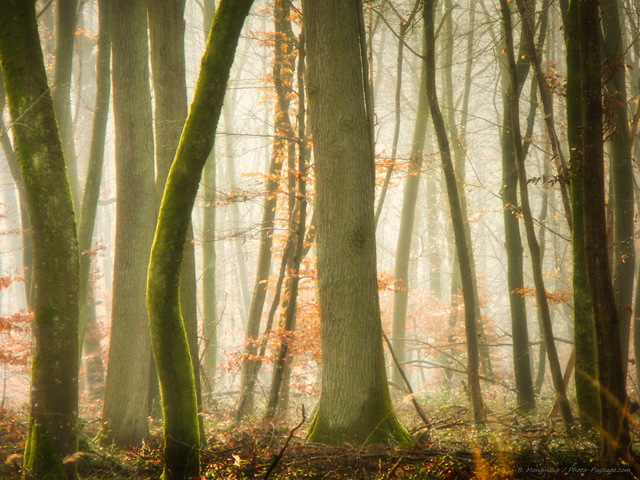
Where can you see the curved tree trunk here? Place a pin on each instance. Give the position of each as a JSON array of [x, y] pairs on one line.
[[52, 435], [355, 404], [169, 339], [166, 32]]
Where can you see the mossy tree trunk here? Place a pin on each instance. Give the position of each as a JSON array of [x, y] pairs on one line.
[[544, 314], [463, 248], [169, 339], [166, 32], [127, 385], [615, 438], [52, 434], [586, 359], [355, 404]]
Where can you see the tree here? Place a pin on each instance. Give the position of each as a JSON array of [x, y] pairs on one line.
[[407, 217], [283, 66], [166, 32], [544, 314], [463, 247], [66, 16], [586, 362], [624, 253], [169, 339], [615, 438], [355, 404], [127, 384], [91, 193], [52, 434]]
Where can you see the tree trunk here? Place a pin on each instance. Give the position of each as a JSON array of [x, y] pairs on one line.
[[586, 359], [166, 32], [405, 231], [91, 193], [25, 221], [615, 438], [65, 34], [544, 314], [283, 65], [355, 404], [463, 248], [52, 431], [624, 254], [282, 365], [127, 385], [209, 301], [169, 339]]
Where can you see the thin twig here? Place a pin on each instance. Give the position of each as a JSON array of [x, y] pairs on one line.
[[278, 457], [406, 381]]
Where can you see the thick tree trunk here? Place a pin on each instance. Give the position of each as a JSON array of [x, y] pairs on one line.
[[52, 434], [127, 385], [169, 339], [586, 359], [615, 438], [463, 248], [355, 404]]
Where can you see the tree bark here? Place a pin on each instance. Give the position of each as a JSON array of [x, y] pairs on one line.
[[52, 430], [127, 384], [169, 339], [355, 404]]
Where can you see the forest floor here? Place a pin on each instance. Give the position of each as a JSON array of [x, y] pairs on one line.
[[510, 446]]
